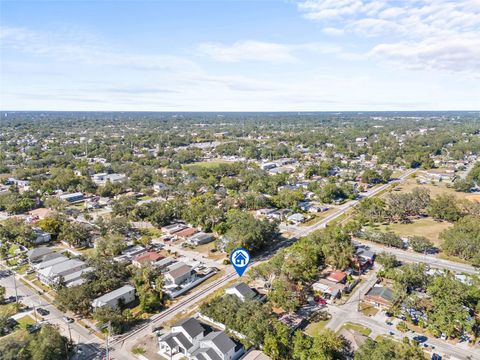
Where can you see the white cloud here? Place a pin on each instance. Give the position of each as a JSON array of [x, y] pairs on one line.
[[262, 51], [428, 34], [75, 47]]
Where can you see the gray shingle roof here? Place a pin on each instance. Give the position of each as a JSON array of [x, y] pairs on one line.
[[383, 292], [191, 326], [182, 340], [244, 290], [221, 341], [40, 251]]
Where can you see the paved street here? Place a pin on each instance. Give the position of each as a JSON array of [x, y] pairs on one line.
[[79, 335]]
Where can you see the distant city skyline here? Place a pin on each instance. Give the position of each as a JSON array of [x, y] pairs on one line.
[[308, 55]]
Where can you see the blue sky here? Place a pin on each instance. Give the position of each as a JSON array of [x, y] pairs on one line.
[[306, 55]]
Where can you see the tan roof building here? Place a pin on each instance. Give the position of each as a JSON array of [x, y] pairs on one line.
[[255, 355], [355, 338]]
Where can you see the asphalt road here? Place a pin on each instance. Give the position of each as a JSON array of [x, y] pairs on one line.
[[88, 342]]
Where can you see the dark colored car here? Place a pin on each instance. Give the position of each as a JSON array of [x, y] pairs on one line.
[[420, 338], [43, 311]]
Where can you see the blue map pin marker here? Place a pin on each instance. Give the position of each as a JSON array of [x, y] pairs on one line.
[[240, 258]]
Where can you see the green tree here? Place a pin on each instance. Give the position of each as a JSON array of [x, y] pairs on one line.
[[463, 239], [149, 288], [444, 207], [48, 344], [120, 321], [386, 349], [420, 244], [75, 234]]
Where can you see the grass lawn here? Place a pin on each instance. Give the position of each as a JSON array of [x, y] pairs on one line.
[[22, 269], [8, 310], [427, 227], [25, 321], [12, 249], [356, 327], [205, 249], [315, 327], [368, 310]]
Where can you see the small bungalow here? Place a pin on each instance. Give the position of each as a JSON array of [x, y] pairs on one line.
[[380, 296]]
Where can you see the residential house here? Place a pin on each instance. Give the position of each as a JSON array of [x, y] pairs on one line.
[[296, 218], [330, 290], [200, 239], [41, 254], [164, 263], [185, 233], [130, 253], [265, 212], [363, 258], [115, 298], [173, 228], [280, 214], [103, 178], [41, 237], [73, 197], [338, 277], [380, 296], [146, 258], [243, 292], [55, 270], [197, 341], [268, 166], [440, 175], [178, 273]]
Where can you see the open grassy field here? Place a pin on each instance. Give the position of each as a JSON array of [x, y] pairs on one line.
[[435, 189], [427, 227], [356, 327]]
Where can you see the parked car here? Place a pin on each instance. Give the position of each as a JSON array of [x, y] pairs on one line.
[[68, 319], [34, 328], [43, 312], [420, 338]]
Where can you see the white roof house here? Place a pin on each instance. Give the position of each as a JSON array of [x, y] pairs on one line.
[[53, 273], [242, 291], [125, 295], [200, 238], [296, 218]]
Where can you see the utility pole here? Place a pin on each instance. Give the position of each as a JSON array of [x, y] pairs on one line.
[[69, 332], [15, 285], [34, 313], [106, 343]]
